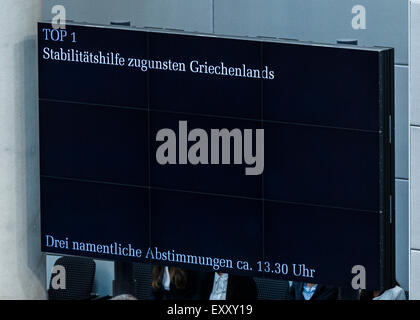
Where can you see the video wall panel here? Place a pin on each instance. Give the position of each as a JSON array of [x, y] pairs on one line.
[[246, 156]]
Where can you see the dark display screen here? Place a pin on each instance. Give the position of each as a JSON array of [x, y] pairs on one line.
[[259, 157]]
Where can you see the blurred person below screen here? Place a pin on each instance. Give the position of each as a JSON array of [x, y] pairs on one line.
[[170, 283], [393, 293], [311, 291], [223, 286]]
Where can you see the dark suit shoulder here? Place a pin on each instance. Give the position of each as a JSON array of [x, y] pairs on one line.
[[241, 288]]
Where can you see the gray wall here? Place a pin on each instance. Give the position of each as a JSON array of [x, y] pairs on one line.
[[415, 150], [22, 266], [311, 20]]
